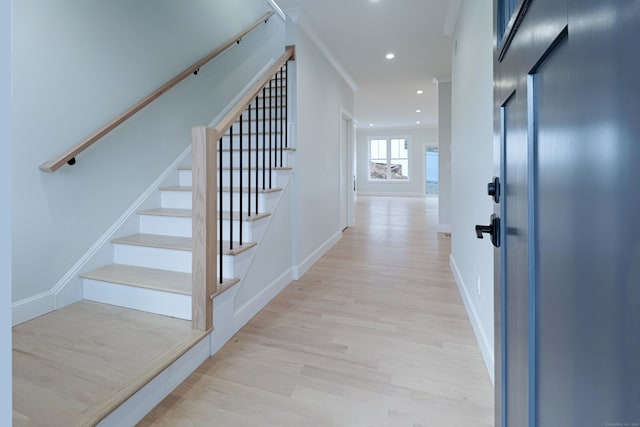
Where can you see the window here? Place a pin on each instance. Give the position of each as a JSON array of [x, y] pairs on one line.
[[389, 159]]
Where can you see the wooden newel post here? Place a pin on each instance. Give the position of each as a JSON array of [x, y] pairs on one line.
[[204, 213]]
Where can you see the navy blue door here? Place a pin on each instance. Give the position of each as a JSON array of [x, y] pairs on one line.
[[567, 118]]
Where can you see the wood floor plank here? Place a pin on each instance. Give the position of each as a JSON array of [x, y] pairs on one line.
[[375, 334]]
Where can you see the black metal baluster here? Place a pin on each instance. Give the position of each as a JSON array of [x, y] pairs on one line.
[[249, 159], [277, 118], [280, 116], [270, 128], [257, 152], [220, 196], [241, 170], [286, 110], [264, 136], [231, 185]]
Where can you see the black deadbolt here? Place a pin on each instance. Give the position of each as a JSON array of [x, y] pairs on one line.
[[493, 189]]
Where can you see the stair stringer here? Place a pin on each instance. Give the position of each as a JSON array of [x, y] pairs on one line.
[[269, 273]]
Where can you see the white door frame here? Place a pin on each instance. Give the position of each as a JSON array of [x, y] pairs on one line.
[[347, 179]]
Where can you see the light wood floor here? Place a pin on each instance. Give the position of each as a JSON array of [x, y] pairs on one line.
[[73, 366], [375, 334]]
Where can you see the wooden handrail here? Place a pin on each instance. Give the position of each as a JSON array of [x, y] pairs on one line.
[[228, 120], [69, 156]]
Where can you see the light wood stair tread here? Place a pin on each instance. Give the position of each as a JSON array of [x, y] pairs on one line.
[[187, 213], [181, 213], [178, 243], [156, 241], [224, 189], [79, 363], [150, 278], [142, 277]]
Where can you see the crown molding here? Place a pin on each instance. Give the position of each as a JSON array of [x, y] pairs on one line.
[[451, 17], [299, 16]]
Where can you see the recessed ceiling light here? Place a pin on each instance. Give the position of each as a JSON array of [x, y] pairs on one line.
[[390, 55], [418, 111], [420, 92], [418, 122], [370, 125]]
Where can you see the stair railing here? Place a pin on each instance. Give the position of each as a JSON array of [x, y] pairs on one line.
[[69, 157], [264, 148]]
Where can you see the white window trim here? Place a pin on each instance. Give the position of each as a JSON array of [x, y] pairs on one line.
[[389, 138]]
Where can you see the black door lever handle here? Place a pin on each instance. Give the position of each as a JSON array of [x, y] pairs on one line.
[[493, 229], [483, 229]]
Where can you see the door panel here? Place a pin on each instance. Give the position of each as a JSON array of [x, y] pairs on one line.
[[555, 213]]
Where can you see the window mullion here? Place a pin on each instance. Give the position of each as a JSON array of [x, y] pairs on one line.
[[388, 159]]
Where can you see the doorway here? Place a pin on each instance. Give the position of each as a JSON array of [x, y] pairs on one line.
[[347, 170], [431, 171]]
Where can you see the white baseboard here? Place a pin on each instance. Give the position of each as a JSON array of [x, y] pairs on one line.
[[30, 308], [248, 310], [68, 289], [304, 266], [481, 336], [147, 398]]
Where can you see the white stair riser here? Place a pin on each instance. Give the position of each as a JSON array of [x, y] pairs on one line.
[[269, 114], [149, 300], [247, 177], [238, 266], [265, 202], [165, 259], [182, 200], [274, 137], [185, 178], [182, 227], [175, 199], [144, 256], [249, 126], [165, 225], [273, 161]]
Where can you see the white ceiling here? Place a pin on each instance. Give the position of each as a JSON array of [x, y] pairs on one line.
[[359, 33]]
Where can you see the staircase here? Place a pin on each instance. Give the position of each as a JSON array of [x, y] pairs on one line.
[[110, 359], [152, 269]]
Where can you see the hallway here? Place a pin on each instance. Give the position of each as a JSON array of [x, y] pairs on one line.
[[375, 334]]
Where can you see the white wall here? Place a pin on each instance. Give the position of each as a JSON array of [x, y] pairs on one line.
[[472, 165], [76, 65], [5, 213], [444, 158], [321, 92], [419, 137]]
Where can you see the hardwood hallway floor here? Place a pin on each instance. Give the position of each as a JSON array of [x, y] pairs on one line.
[[375, 334]]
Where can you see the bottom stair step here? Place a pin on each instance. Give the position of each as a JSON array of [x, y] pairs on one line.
[[76, 365], [146, 289]]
